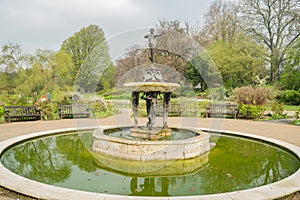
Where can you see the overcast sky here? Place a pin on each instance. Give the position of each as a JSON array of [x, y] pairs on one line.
[[45, 24]]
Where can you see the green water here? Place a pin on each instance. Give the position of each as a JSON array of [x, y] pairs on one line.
[[65, 160]]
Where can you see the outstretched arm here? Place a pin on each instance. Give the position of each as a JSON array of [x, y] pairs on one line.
[[157, 35]]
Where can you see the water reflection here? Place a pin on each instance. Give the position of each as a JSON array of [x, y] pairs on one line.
[[38, 160], [148, 187], [65, 160]]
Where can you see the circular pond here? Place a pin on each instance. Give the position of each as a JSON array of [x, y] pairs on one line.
[[65, 160]]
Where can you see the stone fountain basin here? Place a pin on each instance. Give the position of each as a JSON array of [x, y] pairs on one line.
[[151, 168], [152, 86], [143, 150], [12, 181]]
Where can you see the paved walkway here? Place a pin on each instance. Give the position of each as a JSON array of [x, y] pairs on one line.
[[284, 132]]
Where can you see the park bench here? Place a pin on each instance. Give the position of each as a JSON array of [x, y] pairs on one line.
[[74, 111], [21, 113], [222, 109], [174, 110]]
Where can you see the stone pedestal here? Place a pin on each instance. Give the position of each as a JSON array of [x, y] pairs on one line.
[[153, 134], [143, 150]]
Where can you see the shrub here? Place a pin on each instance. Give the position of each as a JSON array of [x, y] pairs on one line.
[[1, 111], [70, 98], [297, 120], [251, 111], [290, 97], [297, 113], [203, 104], [277, 111], [49, 111], [279, 116], [277, 108], [101, 108], [249, 95]]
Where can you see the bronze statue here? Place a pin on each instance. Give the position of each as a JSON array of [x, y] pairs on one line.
[[151, 37]]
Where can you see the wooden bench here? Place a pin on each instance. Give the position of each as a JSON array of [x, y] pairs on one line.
[[174, 110], [74, 111], [21, 113], [222, 109]]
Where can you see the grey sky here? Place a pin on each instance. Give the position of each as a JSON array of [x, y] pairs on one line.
[[45, 24]]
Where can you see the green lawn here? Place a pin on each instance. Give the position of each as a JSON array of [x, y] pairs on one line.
[[291, 108], [286, 107]]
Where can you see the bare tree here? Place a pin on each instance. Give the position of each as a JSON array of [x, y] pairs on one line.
[[276, 24], [175, 47], [135, 56], [221, 23]]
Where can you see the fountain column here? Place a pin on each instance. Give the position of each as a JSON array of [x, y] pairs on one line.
[[154, 102], [135, 105], [151, 102], [166, 107]]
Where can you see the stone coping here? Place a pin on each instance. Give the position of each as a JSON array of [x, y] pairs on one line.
[[152, 86], [36, 189], [100, 135]]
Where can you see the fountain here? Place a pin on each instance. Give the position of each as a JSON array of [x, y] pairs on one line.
[[143, 144], [151, 142]]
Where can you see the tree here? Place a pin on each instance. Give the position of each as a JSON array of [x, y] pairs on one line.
[[175, 47], [107, 81], [202, 71], [274, 23], [82, 43], [293, 55], [290, 77], [89, 53], [32, 80], [134, 56], [239, 62], [221, 23], [35, 77], [62, 69], [48, 72], [12, 58], [11, 61], [238, 57]]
